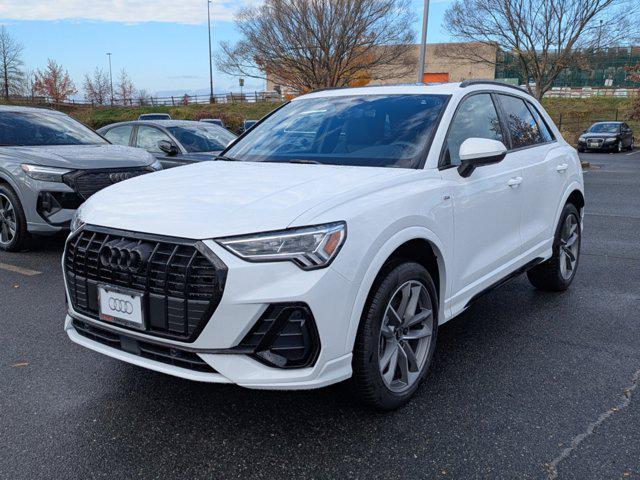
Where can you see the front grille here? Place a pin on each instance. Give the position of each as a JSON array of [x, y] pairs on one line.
[[87, 182], [159, 353], [181, 286]]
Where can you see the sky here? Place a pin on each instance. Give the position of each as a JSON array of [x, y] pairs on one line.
[[162, 44]]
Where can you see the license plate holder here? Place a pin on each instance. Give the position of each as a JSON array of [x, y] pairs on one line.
[[122, 306]]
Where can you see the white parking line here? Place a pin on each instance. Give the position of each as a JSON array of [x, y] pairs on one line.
[[633, 153], [22, 271]]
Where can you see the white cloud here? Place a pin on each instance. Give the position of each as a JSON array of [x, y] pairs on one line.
[[125, 11]]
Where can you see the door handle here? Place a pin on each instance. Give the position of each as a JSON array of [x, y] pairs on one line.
[[562, 167], [514, 182]]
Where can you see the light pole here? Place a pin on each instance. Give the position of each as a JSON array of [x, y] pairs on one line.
[[210, 61], [423, 43], [110, 76]]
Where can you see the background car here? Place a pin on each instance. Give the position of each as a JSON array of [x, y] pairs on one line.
[[173, 142], [616, 136], [49, 165], [214, 121], [246, 125], [154, 116]]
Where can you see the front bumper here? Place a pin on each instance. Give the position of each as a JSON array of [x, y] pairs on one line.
[[249, 291], [605, 145]]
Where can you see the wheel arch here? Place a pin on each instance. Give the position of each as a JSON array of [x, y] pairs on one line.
[[574, 194], [412, 244]]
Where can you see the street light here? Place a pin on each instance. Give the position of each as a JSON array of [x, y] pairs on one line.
[[210, 61], [110, 76], [423, 44]]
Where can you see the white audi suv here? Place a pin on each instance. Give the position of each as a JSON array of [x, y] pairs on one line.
[[329, 242]]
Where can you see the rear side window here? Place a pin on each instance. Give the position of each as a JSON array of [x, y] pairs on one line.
[[119, 135], [522, 125], [547, 136], [476, 117]]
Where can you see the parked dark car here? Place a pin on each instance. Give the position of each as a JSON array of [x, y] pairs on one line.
[[173, 142], [49, 165], [154, 116], [246, 125], [613, 136]]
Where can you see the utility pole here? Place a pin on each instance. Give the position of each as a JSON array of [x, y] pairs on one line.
[[210, 60], [110, 76], [423, 43]]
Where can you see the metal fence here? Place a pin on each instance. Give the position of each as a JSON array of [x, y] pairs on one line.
[[155, 101]]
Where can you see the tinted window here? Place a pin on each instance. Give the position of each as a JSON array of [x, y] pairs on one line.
[[119, 135], [148, 138], [476, 117], [36, 128], [605, 128], [202, 138], [370, 130], [547, 136], [522, 126]]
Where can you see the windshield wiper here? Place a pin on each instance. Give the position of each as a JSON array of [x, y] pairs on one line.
[[224, 158], [302, 160]]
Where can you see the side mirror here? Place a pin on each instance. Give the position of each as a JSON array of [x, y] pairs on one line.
[[477, 152], [168, 147]]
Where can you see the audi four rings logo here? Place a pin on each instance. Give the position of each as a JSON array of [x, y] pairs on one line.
[[121, 176], [125, 255], [121, 306]]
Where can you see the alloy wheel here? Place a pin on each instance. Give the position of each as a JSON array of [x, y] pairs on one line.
[[569, 246], [405, 336], [620, 147], [8, 226]]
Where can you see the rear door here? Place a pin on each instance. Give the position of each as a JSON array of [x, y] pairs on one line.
[[486, 204], [544, 166]]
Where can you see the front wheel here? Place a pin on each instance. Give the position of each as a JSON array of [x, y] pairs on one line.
[[396, 338], [557, 273], [13, 225]]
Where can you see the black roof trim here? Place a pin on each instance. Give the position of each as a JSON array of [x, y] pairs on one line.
[[469, 83]]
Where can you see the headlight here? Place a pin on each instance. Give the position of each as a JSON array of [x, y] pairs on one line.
[[46, 174], [308, 247], [611, 140], [155, 166], [581, 138], [76, 222]]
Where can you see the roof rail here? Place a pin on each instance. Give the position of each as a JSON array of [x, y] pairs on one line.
[[469, 83]]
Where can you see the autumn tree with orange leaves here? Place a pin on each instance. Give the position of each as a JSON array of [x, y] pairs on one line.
[[634, 76], [54, 83]]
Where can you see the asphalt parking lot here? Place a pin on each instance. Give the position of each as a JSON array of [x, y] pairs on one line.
[[524, 385]]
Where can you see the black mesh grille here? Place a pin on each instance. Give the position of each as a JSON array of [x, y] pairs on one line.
[[87, 182], [159, 353], [181, 286]]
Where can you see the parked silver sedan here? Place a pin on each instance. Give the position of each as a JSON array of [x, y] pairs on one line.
[[49, 165]]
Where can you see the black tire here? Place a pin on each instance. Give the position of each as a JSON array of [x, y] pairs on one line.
[[548, 276], [580, 150], [367, 381], [21, 237]]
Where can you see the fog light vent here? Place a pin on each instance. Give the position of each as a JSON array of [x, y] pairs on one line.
[[285, 336]]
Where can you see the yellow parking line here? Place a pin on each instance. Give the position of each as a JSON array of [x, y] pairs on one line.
[[22, 271]]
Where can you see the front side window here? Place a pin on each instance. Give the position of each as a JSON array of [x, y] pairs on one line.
[[44, 128], [476, 117], [119, 135], [148, 138], [523, 127], [202, 138], [371, 130]]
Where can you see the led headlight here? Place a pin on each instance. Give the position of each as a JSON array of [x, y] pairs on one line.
[[45, 174], [76, 221], [308, 247]]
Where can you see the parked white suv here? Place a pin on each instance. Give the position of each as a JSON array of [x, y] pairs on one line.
[[330, 241]]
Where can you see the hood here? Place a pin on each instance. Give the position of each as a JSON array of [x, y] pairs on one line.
[[214, 199], [82, 156], [599, 135]]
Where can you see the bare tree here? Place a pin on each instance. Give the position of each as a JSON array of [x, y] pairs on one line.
[[545, 36], [310, 44], [97, 87], [126, 89], [54, 83], [143, 97], [11, 74]]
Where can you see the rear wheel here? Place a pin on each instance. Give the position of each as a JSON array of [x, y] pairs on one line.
[[557, 273], [13, 225], [396, 338]]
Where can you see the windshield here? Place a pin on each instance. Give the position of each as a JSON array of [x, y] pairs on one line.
[[202, 138], [371, 130], [605, 128], [44, 128]]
